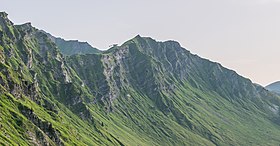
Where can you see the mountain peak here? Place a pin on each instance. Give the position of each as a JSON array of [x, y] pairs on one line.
[[173, 43], [26, 25], [138, 36], [4, 19], [168, 42], [3, 14]]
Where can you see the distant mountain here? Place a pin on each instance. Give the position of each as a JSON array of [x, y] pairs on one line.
[[71, 47], [274, 87], [143, 92]]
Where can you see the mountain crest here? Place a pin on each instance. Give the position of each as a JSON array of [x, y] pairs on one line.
[[148, 43], [3, 15], [4, 21]]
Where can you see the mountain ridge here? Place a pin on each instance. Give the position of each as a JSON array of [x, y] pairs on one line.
[[142, 92], [71, 47]]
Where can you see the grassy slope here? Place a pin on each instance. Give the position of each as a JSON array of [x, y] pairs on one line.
[[17, 129], [191, 113]]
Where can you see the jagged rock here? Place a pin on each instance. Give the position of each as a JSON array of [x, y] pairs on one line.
[[45, 126]]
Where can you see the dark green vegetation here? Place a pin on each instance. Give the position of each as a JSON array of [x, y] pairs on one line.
[[274, 87], [140, 93]]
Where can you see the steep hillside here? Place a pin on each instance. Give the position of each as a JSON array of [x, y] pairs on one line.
[[274, 87], [143, 92]]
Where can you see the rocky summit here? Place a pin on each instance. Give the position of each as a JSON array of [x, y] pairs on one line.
[[143, 92]]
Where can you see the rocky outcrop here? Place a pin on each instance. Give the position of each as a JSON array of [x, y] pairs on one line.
[[45, 126]]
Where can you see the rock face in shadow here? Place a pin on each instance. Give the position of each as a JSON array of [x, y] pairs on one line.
[[274, 87]]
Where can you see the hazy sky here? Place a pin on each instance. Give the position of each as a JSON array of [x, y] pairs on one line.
[[243, 35]]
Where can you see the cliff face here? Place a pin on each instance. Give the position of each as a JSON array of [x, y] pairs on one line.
[[143, 92]]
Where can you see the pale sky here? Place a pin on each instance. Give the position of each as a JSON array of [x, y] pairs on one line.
[[243, 35]]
